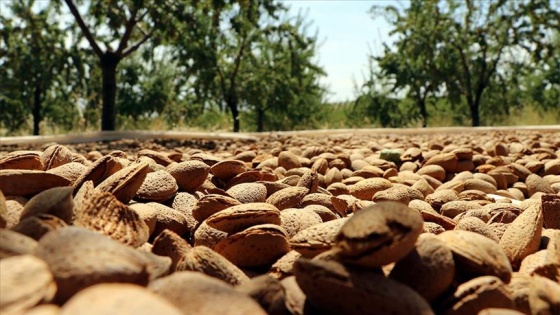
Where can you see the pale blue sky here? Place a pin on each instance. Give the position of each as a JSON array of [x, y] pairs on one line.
[[347, 33]]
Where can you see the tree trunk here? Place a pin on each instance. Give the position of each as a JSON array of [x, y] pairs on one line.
[[109, 62], [232, 104], [36, 109], [260, 119], [423, 113], [475, 115]]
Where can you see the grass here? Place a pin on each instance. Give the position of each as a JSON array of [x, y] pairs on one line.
[[336, 117]]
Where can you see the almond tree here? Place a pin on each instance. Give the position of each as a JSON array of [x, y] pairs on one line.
[[114, 30], [35, 67]]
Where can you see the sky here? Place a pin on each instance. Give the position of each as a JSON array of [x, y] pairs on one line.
[[347, 33]]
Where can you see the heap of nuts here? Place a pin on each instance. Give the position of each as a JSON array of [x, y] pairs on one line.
[[337, 224]]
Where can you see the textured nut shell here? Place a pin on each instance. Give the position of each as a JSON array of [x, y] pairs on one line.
[[207, 205], [185, 202], [227, 169], [56, 155], [543, 263], [260, 245], [429, 268], [535, 184], [38, 225], [118, 298], [71, 171], [28, 182], [295, 220], [544, 296], [238, 218], [317, 238], [551, 211], [478, 294], [169, 244], [209, 262], [378, 235], [98, 171], [448, 161], [189, 174], [79, 258], [284, 266], [336, 289], [13, 244], [208, 236], [475, 254], [287, 197], [478, 226], [288, 160], [268, 292], [23, 160], [157, 186], [523, 235], [4, 216], [147, 214], [57, 201], [44, 309], [365, 189], [248, 192], [169, 218], [103, 213], [125, 183], [196, 293], [26, 281], [159, 157]]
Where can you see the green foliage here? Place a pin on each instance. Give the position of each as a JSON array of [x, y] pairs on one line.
[[203, 64], [34, 68], [469, 52]]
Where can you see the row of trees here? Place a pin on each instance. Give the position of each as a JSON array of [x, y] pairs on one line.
[[77, 64], [67, 61], [477, 58]]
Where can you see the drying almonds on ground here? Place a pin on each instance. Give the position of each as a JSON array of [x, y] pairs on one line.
[[294, 223]]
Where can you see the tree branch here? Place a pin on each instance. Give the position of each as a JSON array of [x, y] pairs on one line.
[[237, 62], [129, 27], [135, 47], [83, 27]]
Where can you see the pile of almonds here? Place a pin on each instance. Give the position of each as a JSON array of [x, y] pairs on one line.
[[290, 224]]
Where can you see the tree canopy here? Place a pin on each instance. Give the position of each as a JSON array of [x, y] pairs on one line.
[[75, 65]]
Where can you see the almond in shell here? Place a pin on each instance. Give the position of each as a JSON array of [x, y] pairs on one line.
[[26, 281], [125, 183], [102, 212], [257, 246]]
